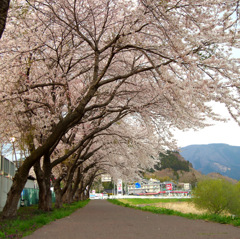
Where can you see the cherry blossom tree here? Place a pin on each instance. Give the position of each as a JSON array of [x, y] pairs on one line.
[[69, 63]]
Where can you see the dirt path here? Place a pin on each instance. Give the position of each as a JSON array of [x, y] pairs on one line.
[[103, 220]]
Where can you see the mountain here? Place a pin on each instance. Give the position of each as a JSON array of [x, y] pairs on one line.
[[173, 166], [210, 158]]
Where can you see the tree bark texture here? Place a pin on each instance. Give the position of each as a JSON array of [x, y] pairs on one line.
[[67, 197], [58, 193], [43, 179]]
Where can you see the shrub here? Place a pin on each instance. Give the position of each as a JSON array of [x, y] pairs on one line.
[[234, 204], [215, 195]]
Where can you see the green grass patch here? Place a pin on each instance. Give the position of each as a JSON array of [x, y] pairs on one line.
[[207, 217], [30, 218], [137, 201]]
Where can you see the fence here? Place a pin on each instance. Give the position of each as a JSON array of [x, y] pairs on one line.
[[30, 196]]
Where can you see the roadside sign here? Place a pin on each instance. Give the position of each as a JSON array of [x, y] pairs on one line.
[[119, 186], [137, 185], [106, 178], [169, 186]]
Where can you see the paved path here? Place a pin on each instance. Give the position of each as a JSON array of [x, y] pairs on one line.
[[103, 220]]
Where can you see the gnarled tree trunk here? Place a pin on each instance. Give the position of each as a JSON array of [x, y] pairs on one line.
[[58, 192], [43, 179]]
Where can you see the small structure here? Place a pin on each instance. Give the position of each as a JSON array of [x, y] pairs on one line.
[[7, 171]]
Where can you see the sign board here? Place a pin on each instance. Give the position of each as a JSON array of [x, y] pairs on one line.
[[169, 186], [137, 185], [119, 186], [186, 186], [106, 178]]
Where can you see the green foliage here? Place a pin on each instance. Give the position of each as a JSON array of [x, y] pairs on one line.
[[136, 201], [30, 218], [216, 195], [234, 205], [2, 235], [108, 185], [171, 160]]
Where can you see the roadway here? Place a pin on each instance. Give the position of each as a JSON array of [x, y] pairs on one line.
[[103, 220]]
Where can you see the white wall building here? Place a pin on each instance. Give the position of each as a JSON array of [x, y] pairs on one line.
[[7, 171]]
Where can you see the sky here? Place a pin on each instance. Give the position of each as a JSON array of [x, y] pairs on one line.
[[227, 133]]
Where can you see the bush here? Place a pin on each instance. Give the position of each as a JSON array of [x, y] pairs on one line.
[[234, 205], [216, 195]]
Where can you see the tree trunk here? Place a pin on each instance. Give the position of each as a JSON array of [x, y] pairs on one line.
[[88, 187], [67, 197], [41, 184], [58, 201], [77, 181], [47, 181], [13, 196], [68, 189], [43, 179], [58, 192], [88, 190]]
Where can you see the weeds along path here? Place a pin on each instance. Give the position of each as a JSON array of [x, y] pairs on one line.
[[103, 220]]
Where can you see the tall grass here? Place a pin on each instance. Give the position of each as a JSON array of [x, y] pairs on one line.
[[30, 218], [207, 217]]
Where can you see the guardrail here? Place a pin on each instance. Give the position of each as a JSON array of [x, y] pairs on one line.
[[135, 196]]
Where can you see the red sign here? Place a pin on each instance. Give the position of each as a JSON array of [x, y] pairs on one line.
[[169, 186]]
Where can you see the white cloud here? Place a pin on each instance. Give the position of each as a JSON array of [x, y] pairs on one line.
[[227, 133]]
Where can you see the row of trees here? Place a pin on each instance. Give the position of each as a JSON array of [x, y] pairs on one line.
[[94, 86]]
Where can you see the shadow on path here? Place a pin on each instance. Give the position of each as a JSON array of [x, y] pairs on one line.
[[103, 220]]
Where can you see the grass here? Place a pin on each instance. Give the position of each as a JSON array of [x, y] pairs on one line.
[[137, 201], [207, 217], [31, 218]]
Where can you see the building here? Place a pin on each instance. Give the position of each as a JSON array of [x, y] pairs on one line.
[[7, 171], [155, 187], [145, 186]]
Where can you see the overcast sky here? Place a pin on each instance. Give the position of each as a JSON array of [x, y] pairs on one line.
[[227, 133]]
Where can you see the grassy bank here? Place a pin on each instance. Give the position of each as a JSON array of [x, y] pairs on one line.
[[207, 217], [30, 218], [139, 201]]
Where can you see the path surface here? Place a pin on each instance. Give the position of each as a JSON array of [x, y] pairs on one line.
[[103, 220]]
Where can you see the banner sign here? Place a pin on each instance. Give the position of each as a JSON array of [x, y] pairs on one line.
[[106, 178], [169, 186], [119, 186]]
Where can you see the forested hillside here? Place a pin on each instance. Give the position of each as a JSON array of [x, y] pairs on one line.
[[172, 160]]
